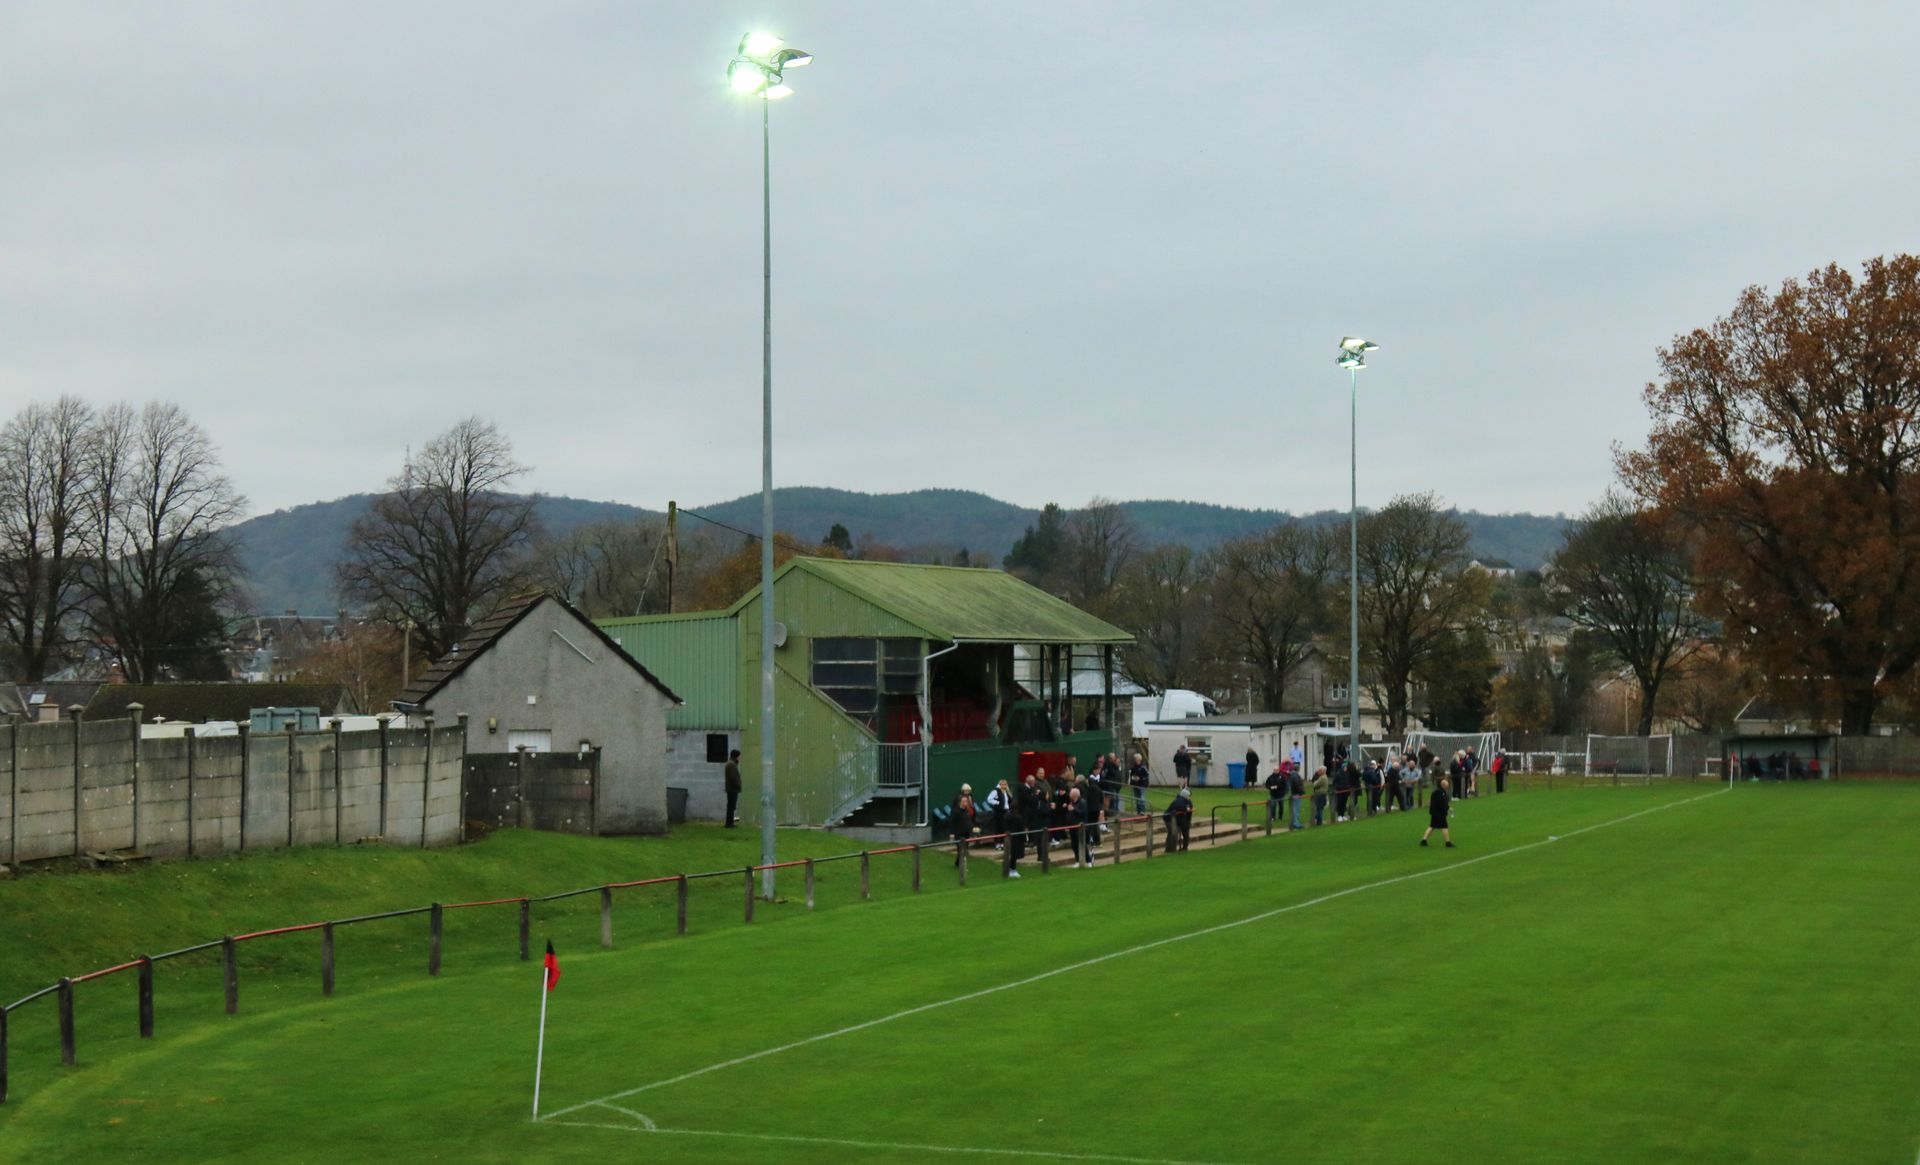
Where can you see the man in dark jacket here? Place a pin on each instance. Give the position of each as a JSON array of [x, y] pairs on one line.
[[1252, 771], [1276, 793], [733, 786], [1032, 810], [1437, 806], [1182, 764], [1179, 820], [1137, 779]]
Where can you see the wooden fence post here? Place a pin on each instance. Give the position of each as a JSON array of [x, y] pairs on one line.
[[916, 868], [680, 905], [230, 970], [960, 860], [526, 926], [1149, 835], [1046, 851], [606, 917], [326, 959], [1006, 858], [749, 881], [66, 1023], [145, 989], [433, 938], [1243, 821], [866, 879], [809, 883]]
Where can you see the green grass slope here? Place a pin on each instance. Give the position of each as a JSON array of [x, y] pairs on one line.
[[1683, 975]]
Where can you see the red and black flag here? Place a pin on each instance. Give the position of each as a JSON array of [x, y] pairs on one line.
[[552, 964]]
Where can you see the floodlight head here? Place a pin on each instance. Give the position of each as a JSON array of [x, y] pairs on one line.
[[1356, 344], [778, 91], [791, 58], [1351, 360], [759, 45], [746, 77]]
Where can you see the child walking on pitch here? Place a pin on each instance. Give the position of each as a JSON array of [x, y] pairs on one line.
[[1437, 806]]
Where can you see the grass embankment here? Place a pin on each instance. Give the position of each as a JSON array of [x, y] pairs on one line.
[[1724, 978]]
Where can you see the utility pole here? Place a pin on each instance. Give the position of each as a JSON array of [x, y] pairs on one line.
[[673, 550]]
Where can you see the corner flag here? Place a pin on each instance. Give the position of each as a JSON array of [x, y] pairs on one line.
[[549, 976], [553, 967]]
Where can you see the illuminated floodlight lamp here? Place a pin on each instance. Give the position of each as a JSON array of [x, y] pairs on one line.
[[779, 91], [1353, 352], [759, 45], [791, 58], [746, 77]]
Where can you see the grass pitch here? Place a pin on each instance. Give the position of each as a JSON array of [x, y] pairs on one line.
[[1683, 975]]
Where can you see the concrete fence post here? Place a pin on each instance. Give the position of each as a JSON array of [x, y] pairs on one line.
[[336, 725], [462, 718], [74, 713], [523, 799], [292, 751], [133, 723], [426, 781], [385, 723], [246, 779], [192, 741], [13, 813]]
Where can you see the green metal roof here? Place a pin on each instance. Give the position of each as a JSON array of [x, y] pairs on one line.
[[961, 603], [697, 655]]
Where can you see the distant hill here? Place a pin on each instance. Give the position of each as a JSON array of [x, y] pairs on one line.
[[289, 554]]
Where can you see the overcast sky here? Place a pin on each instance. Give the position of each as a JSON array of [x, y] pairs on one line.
[[1043, 250]]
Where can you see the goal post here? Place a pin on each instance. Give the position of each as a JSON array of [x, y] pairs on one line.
[[1645, 757], [1443, 745]]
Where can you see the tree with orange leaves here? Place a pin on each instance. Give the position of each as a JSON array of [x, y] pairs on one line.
[[1788, 434]]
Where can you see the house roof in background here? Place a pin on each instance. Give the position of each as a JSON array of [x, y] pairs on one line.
[[199, 703], [61, 694], [488, 631], [960, 602]]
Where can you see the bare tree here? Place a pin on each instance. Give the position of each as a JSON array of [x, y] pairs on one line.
[[1100, 540], [606, 568], [43, 528], [1626, 575], [1415, 598], [159, 567], [1161, 596], [445, 544], [1272, 595]]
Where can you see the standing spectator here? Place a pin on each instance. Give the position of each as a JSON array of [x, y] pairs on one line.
[[1182, 764], [1437, 807], [1457, 772], [1319, 787], [733, 786], [1393, 782], [1252, 772], [960, 821], [1091, 811], [1137, 779], [1346, 793], [1499, 770], [999, 805], [1374, 779], [1033, 813], [1276, 792], [1058, 817], [1426, 759], [1110, 786], [1298, 757], [1296, 790], [1471, 764], [1179, 820], [1077, 820]]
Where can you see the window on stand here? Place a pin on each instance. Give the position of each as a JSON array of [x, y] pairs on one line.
[[875, 681]]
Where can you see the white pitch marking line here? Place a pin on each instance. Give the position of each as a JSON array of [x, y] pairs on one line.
[[1098, 959], [892, 1146], [645, 1120]]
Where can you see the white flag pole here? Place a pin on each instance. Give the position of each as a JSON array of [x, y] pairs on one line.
[[540, 1048]]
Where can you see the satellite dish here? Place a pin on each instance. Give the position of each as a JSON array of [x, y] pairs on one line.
[[779, 634]]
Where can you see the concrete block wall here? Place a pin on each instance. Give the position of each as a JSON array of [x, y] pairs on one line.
[[184, 796], [689, 769]]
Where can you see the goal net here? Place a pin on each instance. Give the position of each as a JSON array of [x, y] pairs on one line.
[[1444, 744], [1644, 757]]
